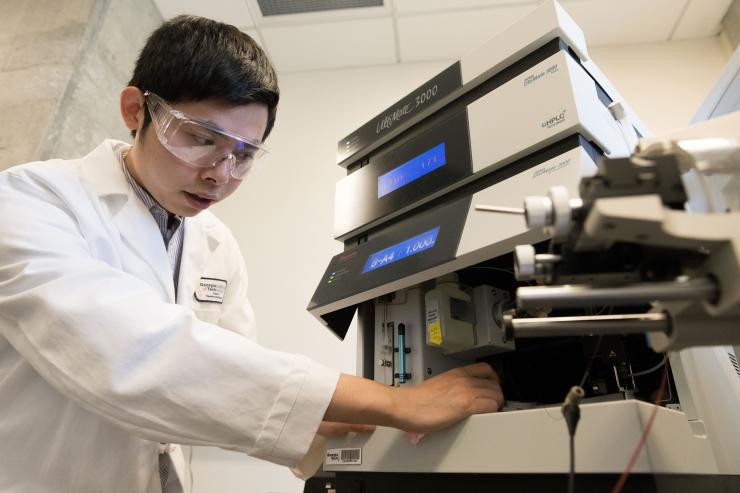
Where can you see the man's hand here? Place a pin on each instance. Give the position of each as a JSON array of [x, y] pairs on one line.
[[447, 398], [429, 406]]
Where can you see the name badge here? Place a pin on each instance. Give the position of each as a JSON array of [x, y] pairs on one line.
[[210, 290]]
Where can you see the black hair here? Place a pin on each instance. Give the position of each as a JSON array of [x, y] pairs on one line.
[[191, 58]]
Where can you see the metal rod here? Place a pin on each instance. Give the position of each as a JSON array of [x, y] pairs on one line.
[[547, 258], [632, 294], [504, 210], [587, 325]]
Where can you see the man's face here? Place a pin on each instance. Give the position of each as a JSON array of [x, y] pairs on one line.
[[181, 188]]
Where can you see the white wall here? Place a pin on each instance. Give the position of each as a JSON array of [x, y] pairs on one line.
[[664, 82], [283, 216]]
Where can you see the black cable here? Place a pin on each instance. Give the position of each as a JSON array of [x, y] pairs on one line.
[[572, 475], [572, 414], [590, 363]]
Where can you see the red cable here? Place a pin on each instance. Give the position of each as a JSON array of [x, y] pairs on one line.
[[643, 438]]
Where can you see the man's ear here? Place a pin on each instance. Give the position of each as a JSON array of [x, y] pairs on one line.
[[132, 107]]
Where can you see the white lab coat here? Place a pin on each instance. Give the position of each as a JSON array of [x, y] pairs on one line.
[[98, 365]]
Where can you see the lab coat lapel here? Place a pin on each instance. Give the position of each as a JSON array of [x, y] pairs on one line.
[[140, 232], [135, 224], [199, 245]]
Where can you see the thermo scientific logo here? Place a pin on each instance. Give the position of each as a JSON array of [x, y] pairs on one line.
[[554, 121]]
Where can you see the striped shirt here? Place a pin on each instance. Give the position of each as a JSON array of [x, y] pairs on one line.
[[170, 225]]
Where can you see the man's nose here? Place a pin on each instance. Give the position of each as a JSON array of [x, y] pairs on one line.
[[220, 172]]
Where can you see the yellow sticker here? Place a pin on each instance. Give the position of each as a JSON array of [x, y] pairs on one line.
[[434, 334]]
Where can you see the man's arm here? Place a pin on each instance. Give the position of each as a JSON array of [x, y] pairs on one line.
[[432, 405], [107, 340], [359, 403]]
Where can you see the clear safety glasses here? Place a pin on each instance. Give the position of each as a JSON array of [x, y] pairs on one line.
[[201, 144]]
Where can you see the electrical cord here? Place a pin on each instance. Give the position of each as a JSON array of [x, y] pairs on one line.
[[572, 414], [643, 438], [590, 363], [572, 472]]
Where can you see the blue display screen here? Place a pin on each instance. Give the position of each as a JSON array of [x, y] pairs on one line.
[[411, 170], [399, 251]]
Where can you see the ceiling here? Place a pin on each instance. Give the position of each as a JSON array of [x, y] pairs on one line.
[[407, 31]]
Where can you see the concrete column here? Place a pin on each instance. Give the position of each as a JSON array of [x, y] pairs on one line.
[[731, 24], [62, 66]]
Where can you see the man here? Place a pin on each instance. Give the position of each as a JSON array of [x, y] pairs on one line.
[[124, 319]]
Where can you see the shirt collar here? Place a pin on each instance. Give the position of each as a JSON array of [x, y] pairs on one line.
[[151, 204]]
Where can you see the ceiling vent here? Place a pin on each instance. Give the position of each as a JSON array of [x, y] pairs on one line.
[[285, 7]]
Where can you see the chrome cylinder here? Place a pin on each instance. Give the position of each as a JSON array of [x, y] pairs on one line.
[[634, 294], [518, 328]]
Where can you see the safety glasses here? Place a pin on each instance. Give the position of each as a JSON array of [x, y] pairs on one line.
[[201, 144]]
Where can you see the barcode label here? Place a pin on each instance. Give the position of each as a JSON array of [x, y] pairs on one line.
[[343, 456]]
